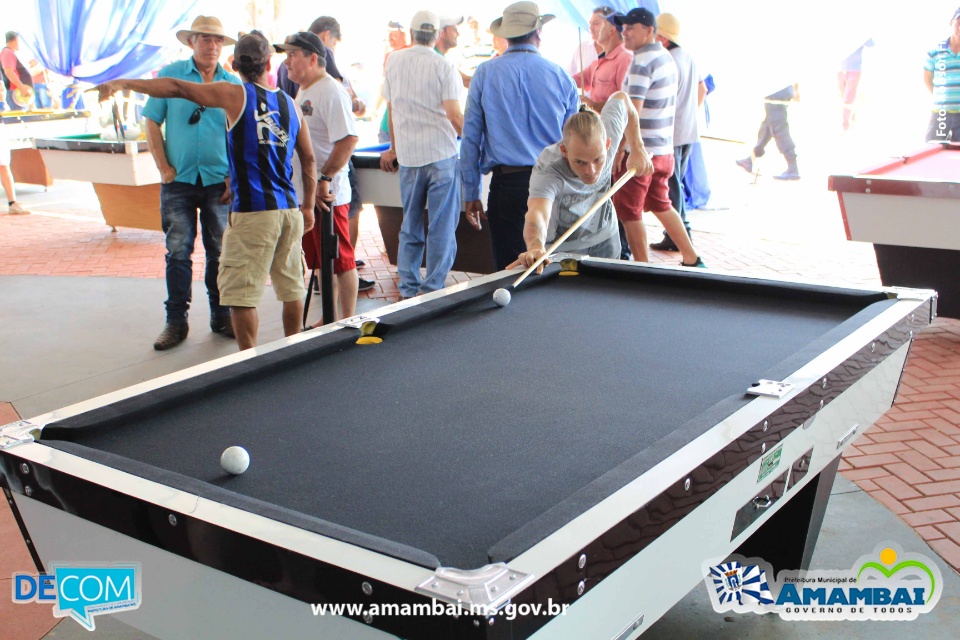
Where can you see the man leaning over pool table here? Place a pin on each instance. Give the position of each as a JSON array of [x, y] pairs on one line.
[[571, 175]]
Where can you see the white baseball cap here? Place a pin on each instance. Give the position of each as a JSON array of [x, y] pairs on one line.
[[425, 21], [448, 21]]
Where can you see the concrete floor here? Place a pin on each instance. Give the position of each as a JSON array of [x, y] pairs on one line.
[[97, 337]]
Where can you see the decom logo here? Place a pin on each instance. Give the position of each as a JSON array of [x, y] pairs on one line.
[[82, 592], [887, 584]]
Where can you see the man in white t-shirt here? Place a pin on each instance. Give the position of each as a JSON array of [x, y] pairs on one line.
[[422, 89], [327, 113], [573, 174]]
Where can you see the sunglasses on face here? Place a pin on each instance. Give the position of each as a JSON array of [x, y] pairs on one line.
[[195, 116]]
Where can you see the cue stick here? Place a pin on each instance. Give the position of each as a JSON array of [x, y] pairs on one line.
[[632, 171], [117, 122], [583, 81], [709, 137]]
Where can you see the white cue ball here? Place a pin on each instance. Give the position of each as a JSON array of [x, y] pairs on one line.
[[501, 297], [235, 460]]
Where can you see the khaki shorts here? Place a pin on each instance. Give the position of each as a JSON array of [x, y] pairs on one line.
[[257, 243]]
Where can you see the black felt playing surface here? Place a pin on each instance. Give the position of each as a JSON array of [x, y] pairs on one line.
[[459, 430]]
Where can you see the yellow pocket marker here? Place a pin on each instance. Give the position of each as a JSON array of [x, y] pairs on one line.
[[569, 267], [366, 334]]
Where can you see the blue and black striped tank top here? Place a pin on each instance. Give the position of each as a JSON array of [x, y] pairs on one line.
[[261, 145]]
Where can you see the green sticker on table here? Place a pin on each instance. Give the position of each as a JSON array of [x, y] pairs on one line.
[[769, 463]]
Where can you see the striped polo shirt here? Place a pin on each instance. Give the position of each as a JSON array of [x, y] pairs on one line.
[[261, 146], [416, 82], [944, 64], [653, 78]]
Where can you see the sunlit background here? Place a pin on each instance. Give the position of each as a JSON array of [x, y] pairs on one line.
[[750, 47]]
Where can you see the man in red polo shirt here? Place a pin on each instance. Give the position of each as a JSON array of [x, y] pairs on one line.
[[605, 76]]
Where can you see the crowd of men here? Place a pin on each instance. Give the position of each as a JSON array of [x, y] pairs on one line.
[[551, 153]]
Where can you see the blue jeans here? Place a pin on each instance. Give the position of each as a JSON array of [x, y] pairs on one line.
[[179, 204], [42, 96], [681, 159], [436, 187]]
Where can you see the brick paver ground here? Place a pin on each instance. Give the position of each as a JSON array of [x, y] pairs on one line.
[[909, 461]]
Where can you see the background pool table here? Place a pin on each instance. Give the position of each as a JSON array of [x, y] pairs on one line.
[[124, 176], [909, 208], [21, 127]]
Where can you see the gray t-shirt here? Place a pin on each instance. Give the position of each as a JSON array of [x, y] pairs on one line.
[[688, 82], [553, 179]]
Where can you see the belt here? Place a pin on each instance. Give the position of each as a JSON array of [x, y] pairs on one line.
[[504, 170]]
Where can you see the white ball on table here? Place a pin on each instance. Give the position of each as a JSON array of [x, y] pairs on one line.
[[501, 297], [235, 460]]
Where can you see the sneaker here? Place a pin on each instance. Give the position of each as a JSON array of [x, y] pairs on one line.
[[360, 264], [171, 336], [222, 325], [17, 209], [363, 284], [746, 164], [699, 264], [787, 175], [664, 245]]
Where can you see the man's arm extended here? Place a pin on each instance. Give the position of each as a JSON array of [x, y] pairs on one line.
[[534, 233], [217, 95]]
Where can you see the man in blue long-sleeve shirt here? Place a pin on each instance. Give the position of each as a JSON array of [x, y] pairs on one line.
[[516, 107]]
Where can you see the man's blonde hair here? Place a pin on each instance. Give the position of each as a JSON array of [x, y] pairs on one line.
[[586, 125]]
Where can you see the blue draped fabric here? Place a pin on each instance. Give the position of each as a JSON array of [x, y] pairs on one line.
[[100, 40], [578, 11], [696, 185]]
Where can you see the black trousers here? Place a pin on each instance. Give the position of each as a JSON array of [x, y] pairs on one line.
[[775, 126], [506, 208]]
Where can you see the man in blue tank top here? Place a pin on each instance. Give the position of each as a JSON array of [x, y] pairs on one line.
[[266, 224]]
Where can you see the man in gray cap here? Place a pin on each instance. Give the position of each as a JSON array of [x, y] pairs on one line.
[[422, 91], [516, 107], [264, 128]]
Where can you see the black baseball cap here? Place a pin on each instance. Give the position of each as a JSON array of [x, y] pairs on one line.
[[253, 45], [637, 16], [309, 42]]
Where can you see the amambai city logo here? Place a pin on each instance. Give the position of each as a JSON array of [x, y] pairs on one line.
[[887, 584]]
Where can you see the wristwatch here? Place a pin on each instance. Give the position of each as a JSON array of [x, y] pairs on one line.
[[325, 178]]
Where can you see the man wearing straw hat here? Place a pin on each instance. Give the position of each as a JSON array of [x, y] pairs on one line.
[[691, 91], [516, 107], [194, 173]]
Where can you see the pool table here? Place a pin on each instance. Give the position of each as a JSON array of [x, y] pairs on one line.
[[590, 444], [124, 176], [909, 208], [21, 127], [382, 190]]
